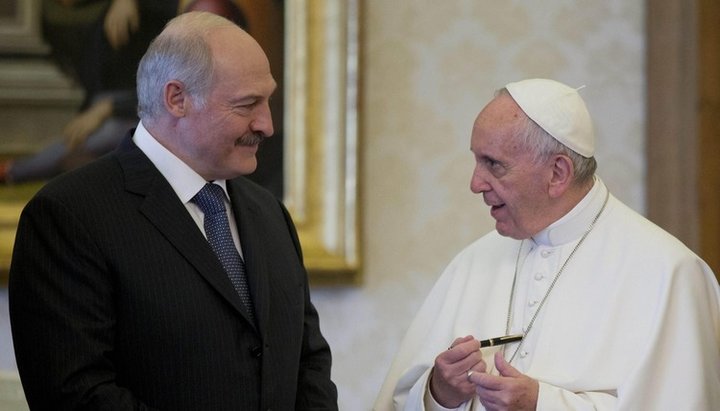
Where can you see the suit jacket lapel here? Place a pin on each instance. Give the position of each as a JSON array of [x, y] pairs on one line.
[[163, 209], [247, 217]]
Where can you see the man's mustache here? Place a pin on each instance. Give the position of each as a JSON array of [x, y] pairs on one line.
[[250, 139]]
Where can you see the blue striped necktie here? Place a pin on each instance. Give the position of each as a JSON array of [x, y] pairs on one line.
[[211, 200]]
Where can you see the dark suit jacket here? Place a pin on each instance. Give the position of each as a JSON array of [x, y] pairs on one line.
[[118, 302]]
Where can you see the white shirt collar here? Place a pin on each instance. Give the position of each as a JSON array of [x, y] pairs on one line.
[[183, 179], [573, 224]]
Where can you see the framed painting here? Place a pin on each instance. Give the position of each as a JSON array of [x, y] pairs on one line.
[[319, 128]]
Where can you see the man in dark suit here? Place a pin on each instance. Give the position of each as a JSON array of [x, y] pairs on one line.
[[119, 296]]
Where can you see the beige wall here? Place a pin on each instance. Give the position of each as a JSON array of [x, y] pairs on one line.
[[428, 68]]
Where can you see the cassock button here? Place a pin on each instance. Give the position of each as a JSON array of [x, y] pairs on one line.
[[524, 354], [532, 303], [539, 276], [256, 351], [546, 253]]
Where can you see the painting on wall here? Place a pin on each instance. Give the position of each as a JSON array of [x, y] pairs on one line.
[[313, 165]]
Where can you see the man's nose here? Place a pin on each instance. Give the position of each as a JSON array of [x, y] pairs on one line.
[[263, 121], [478, 182]]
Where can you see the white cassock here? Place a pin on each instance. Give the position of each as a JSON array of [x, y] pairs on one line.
[[632, 323]]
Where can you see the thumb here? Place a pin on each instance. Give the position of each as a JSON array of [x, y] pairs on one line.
[[504, 367]]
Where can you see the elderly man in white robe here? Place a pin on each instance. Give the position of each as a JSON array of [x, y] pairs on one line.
[[609, 311]]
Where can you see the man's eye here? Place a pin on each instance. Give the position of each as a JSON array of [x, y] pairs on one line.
[[246, 104], [492, 163], [495, 167]]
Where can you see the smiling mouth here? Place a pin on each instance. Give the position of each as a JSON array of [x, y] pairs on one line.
[[494, 209]]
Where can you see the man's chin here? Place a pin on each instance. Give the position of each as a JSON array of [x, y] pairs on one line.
[[242, 168], [506, 231], [249, 167]]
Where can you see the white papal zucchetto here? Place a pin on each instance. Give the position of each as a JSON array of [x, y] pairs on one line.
[[559, 110]]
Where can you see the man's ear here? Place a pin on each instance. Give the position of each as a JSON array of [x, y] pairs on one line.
[[175, 98], [563, 173]]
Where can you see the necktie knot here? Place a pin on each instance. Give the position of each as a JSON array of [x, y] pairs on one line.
[[210, 199]]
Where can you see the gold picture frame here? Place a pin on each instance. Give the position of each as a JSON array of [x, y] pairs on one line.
[[321, 151]]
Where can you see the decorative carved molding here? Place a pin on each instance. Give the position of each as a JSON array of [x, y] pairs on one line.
[[321, 170]]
